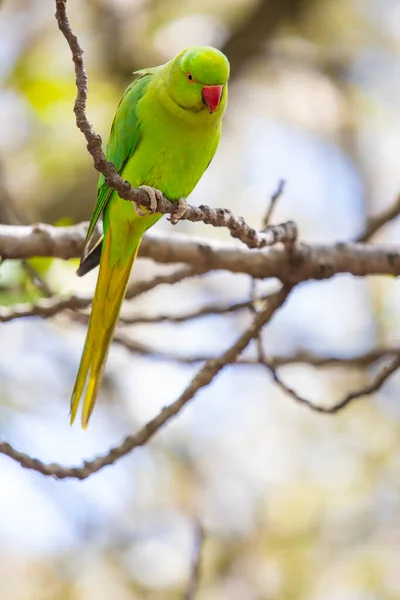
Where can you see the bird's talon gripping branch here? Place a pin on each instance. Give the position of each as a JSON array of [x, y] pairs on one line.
[[155, 197], [138, 208], [179, 212]]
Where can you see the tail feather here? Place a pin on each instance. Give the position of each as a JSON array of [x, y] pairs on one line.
[[110, 291]]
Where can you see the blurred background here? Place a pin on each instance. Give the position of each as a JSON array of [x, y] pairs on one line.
[[295, 505]]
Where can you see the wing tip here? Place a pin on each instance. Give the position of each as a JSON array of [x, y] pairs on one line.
[[91, 260]]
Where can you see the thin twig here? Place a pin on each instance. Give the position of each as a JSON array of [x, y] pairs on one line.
[[203, 378], [138, 288], [272, 204], [213, 309], [253, 284], [220, 217], [48, 307], [373, 224], [360, 361], [367, 390]]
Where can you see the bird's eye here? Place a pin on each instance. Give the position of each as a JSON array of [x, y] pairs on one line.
[[189, 77]]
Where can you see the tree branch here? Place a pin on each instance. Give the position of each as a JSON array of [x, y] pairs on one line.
[[211, 310], [377, 382], [203, 378], [48, 307], [303, 357], [303, 262], [380, 220]]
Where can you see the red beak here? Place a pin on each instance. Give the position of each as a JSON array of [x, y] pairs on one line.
[[212, 96]]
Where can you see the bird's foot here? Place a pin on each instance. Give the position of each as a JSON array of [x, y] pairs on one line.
[[140, 212], [155, 197], [179, 212]]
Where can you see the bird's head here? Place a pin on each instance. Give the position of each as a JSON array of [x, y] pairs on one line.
[[198, 79]]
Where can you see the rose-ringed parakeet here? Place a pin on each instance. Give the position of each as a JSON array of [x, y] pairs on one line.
[[164, 135]]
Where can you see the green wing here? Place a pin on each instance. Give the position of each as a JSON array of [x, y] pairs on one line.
[[124, 138]]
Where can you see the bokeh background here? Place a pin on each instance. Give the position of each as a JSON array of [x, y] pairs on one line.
[[295, 505]]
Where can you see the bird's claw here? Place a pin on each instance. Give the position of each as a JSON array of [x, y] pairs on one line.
[[155, 197], [179, 212], [140, 212]]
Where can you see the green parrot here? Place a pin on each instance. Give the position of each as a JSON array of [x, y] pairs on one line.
[[164, 135]]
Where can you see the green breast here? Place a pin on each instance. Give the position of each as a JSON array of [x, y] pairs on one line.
[[175, 148]]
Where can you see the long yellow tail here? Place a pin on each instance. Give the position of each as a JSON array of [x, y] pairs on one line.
[[110, 291]]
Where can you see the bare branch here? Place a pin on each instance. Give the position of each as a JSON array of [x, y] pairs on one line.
[[213, 309], [360, 361], [253, 283], [220, 217], [46, 307], [55, 305], [305, 261], [138, 288], [375, 223], [202, 379], [19, 241], [272, 203], [367, 390]]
